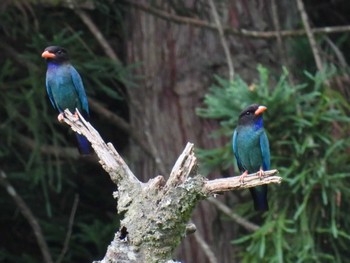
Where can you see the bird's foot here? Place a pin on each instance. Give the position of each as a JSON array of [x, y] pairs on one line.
[[261, 173], [76, 116], [241, 177], [60, 117]]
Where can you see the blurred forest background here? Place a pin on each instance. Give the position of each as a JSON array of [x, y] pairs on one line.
[[159, 74]]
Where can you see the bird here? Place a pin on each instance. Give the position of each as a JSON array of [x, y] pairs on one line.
[[252, 151], [65, 89]]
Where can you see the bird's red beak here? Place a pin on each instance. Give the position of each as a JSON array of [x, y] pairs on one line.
[[47, 54], [260, 110]]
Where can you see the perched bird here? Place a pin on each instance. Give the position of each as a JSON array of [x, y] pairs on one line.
[[251, 149], [65, 89]]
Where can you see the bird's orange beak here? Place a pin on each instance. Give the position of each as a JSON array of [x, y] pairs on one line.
[[260, 110], [47, 54]]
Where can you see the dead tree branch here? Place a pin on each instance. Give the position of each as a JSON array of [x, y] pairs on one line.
[[236, 218], [156, 213], [61, 152], [310, 35], [70, 229], [234, 183], [224, 43], [276, 23], [27, 213], [146, 145], [120, 123], [234, 31], [77, 7], [97, 33], [205, 248]]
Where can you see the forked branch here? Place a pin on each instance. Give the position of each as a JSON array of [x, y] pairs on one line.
[[156, 213]]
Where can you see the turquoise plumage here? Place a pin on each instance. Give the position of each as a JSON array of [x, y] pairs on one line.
[[65, 88], [251, 149]]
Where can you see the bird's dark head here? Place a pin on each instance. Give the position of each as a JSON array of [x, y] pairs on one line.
[[55, 54], [252, 115]]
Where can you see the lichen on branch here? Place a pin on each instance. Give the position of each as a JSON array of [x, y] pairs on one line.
[[156, 213]]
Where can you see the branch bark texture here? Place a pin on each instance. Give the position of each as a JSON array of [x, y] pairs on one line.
[[156, 213]]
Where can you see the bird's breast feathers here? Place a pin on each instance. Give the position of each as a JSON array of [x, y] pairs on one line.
[[63, 92], [248, 147]]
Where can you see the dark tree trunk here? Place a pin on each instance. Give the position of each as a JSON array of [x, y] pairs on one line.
[[177, 64]]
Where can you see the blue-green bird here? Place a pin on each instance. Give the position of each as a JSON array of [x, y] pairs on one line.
[[65, 88], [252, 151]]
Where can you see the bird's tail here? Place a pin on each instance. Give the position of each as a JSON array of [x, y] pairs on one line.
[[84, 145], [259, 195]]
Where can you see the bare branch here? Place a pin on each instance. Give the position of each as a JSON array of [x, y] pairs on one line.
[[59, 152], [310, 35], [156, 213], [110, 160], [120, 123], [97, 34], [223, 40], [70, 229], [233, 31], [235, 183], [337, 52], [147, 147], [27, 213], [238, 219], [277, 26], [62, 152], [280, 45], [205, 248], [183, 167]]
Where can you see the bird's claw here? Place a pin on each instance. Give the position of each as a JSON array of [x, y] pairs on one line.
[[60, 117], [261, 173], [241, 177], [76, 116]]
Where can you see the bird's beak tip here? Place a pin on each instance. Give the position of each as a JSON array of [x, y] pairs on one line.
[[260, 110], [47, 54]]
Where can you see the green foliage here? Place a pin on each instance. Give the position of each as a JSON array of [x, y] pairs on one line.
[[49, 181], [306, 125], [93, 237]]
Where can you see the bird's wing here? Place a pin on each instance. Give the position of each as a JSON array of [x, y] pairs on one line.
[[49, 93], [79, 87], [265, 151], [235, 151]]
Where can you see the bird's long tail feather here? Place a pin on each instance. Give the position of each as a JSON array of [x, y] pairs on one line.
[[84, 145], [259, 195]]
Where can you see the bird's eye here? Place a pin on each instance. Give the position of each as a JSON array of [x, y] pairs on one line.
[[59, 52], [247, 113]]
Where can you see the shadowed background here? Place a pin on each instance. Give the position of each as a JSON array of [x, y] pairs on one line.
[[157, 75]]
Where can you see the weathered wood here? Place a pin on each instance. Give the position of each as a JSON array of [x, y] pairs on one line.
[[156, 213], [235, 183]]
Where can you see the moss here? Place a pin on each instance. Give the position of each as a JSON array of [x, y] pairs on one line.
[[157, 221]]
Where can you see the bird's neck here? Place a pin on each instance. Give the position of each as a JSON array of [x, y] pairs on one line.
[[259, 123], [54, 64]]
